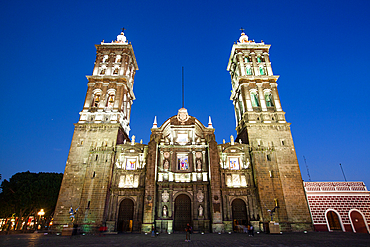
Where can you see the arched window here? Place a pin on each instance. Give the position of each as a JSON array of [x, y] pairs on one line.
[[259, 59], [333, 221], [248, 69], [246, 60], [254, 99], [118, 59], [105, 59], [96, 100], [262, 71], [102, 71], [268, 98], [110, 101]]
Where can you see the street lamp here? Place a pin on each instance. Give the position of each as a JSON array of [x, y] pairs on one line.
[[40, 214]]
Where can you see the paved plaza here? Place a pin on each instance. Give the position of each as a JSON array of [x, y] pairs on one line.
[[336, 239]]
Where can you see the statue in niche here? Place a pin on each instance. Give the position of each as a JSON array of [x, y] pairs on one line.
[[200, 209], [166, 165], [102, 72], [199, 164], [115, 72], [164, 211]]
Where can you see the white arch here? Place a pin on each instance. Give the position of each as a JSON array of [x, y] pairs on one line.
[[363, 217], [340, 219]]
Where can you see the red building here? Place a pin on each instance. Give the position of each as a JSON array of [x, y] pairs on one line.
[[339, 206]]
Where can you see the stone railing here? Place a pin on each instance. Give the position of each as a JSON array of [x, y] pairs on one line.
[[335, 186]]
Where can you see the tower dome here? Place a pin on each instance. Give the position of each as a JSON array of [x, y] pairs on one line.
[[243, 38]]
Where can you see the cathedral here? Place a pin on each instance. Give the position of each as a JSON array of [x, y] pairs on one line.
[[182, 175]]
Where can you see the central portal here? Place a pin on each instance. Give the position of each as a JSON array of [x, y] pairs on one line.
[[239, 214], [125, 216], [182, 212]]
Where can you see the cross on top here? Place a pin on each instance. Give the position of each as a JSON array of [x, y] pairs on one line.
[[123, 29], [242, 29]]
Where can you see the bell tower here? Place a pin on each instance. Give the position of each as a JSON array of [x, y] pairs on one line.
[[260, 123], [103, 124], [110, 88]]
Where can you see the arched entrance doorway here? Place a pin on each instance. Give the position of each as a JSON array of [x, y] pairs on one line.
[[239, 211], [358, 222], [125, 216], [333, 220], [182, 212]]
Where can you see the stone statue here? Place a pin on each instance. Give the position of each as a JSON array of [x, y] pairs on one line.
[[164, 211], [200, 210], [166, 165], [232, 140], [199, 164]]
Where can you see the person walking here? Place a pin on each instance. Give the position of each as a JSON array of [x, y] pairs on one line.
[[251, 231], [188, 232]]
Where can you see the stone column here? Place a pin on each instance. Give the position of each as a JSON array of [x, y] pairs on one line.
[[241, 64], [268, 64], [254, 67], [161, 159], [194, 166], [276, 96], [215, 185], [204, 167], [236, 115], [118, 96], [97, 63], [103, 97], [261, 96], [246, 97], [88, 96]]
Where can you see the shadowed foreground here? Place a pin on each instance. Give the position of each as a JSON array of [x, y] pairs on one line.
[[236, 239]]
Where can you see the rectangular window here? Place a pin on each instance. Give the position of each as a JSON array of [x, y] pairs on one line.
[[131, 163], [182, 138], [234, 163], [182, 162]]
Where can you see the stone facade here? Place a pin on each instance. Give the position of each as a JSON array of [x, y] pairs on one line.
[[339, 206], [182, 175]]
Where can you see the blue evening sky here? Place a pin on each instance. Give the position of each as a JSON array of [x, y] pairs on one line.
[[319, 49]]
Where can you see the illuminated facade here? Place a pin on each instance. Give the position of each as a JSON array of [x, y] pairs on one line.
[[182, 175]]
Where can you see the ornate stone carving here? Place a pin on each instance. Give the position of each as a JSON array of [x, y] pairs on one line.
[[165, 196], [198, 155], [166, 155], [200, 196], [182, 115]]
